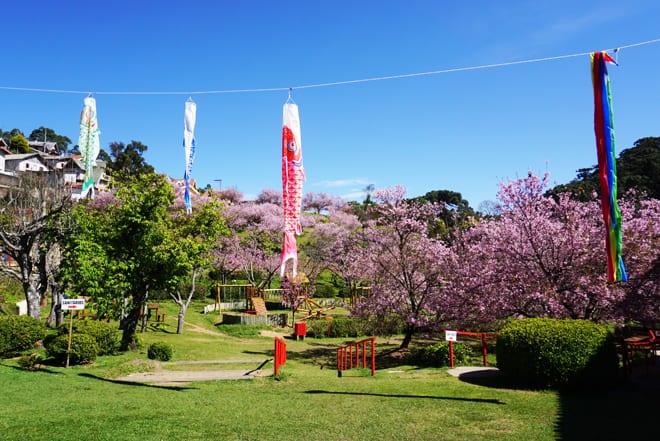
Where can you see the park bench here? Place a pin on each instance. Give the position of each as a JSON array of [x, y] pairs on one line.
[[646, 344]]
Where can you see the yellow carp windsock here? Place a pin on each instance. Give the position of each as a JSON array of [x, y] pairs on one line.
[[293, 176]]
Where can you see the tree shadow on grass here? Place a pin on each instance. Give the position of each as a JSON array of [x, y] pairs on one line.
[[624, 409], [41, 369], [432, 397], [132, 383]]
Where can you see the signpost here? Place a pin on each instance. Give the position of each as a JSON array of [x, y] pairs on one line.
[[450, 336], [71, 305]]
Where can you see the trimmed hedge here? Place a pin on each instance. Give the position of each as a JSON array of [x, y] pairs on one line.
[[556, 353], [83, 348], [437, 355], [19, 333], [350, 327], [107, 336], [160, 351]]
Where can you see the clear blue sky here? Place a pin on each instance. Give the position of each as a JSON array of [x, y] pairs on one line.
[[464, 131]]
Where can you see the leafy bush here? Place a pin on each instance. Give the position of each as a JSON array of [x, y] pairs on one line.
[[351, 327], [19, 333], [83, 348], [344, 327], [437, 355], [160, 351], [29, 362], [107, 336], [556, 353]]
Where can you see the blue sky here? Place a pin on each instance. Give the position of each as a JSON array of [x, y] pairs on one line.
[[464, 131]]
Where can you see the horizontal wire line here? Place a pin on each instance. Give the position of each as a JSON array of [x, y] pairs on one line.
[[335, 83]]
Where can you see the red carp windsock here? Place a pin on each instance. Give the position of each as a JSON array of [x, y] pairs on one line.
[[293, 176]]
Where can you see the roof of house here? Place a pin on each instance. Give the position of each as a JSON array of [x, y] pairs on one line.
[[44, 146]]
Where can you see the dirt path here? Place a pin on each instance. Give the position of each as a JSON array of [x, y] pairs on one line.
[[162, 376]]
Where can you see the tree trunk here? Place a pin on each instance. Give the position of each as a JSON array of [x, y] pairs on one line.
[[33, 300], [182, 317], [130, 322], [407, 337]]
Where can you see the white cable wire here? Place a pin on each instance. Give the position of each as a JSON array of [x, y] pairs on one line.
[[335, 83]]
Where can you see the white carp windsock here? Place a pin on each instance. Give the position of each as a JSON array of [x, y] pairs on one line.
[[89, 143], [189, 119], [293, 176]]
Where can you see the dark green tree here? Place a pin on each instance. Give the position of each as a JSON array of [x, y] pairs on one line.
[[128, 160], [638, 168], [456, 212], [7, 136], [46, 134]]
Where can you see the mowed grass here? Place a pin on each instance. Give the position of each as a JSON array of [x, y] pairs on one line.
[[309, 402]]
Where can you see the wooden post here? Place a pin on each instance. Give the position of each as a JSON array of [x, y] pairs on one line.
[[68, 349], [483, 348], [217, 298], [451, 354], [373, 356]]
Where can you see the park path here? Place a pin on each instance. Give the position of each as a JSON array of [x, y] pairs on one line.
[[164, 376]]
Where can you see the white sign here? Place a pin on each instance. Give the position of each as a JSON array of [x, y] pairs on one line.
[[450, 335], [73, 304]]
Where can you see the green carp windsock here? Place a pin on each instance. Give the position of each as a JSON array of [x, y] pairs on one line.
[[89, 143]]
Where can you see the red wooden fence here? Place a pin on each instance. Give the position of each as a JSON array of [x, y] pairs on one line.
[[280, 354], [349, 356]]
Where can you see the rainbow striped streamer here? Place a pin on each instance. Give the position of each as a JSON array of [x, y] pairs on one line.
[[604, 128]]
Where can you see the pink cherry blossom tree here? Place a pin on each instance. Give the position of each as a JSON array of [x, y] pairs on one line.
[[269, 196], [544, 256], [404, 264], [321, 202]]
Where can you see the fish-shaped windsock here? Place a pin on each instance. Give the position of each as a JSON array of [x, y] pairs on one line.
[[293, 176], [604, 128], [189, 118], [89, 143]]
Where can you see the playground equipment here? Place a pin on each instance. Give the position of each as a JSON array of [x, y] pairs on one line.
[[299, 290]]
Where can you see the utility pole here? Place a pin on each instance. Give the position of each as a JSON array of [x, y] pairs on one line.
[[219, 183]]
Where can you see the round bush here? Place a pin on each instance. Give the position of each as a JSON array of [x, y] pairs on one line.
[[160, 351], [83, 348], [556, 353], [107, 336], [437, 355], [19, 333]]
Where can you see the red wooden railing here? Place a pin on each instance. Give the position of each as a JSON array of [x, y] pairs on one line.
[[349, 356], [483, 336], [280, 354]]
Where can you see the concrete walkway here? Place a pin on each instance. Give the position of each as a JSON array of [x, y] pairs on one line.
[[474, 371]]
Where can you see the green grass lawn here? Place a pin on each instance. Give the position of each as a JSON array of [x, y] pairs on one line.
[[310, 402]]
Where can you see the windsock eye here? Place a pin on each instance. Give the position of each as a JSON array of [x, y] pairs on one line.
[[291, 146]]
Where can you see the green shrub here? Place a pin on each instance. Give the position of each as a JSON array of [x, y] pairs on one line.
[[19, 333], [29, 362], [107, 336], [83, 348], [437, 355], [556, 353], [160, 351], [343, 327]]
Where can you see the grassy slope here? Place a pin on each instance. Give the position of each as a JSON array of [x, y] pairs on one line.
[[311, 403]]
